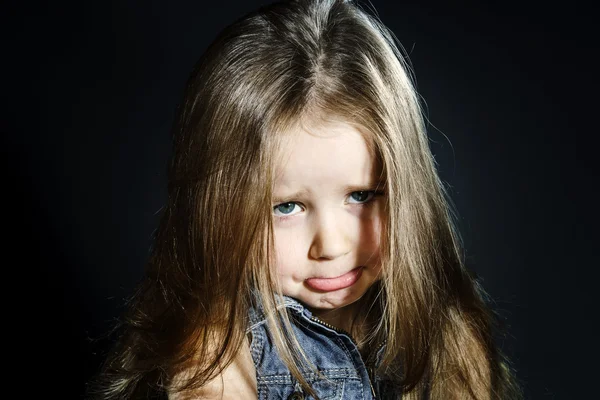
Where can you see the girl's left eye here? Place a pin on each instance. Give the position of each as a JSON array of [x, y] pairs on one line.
[[362, 196]]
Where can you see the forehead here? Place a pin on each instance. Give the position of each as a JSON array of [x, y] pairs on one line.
[[325, 152]]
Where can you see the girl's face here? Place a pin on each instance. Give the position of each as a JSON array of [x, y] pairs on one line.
[[327, 213]]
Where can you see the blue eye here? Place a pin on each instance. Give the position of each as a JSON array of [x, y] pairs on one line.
[[362, 196], [285, 209]]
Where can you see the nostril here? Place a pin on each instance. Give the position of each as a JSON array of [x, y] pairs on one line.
[[329, 247]]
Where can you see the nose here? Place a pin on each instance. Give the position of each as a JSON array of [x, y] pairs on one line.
[[331, 239]]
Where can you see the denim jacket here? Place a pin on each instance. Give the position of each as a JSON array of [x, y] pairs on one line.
[[333, 352]]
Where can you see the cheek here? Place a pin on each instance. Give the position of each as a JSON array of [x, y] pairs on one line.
[[371, 229], [287, 251], [377, 230]]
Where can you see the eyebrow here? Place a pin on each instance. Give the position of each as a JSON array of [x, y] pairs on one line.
[[359, 188], [296, 195]]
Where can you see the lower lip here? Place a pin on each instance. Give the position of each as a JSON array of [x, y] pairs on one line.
[[332, 284]]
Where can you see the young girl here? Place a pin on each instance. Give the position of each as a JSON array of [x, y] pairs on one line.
[[308, 249]]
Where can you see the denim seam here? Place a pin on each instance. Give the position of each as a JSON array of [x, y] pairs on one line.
[[334, 373], [256, 347]]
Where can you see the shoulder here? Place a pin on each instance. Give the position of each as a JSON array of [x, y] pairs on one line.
[[236, 381]]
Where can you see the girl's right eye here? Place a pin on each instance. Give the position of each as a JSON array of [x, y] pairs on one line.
[[286, 209]]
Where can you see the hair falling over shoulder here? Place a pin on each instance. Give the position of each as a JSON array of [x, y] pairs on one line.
[[264, 73]]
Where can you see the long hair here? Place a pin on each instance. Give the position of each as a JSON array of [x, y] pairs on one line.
[[285, 63]]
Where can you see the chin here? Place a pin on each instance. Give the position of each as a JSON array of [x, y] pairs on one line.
[[335, 299]]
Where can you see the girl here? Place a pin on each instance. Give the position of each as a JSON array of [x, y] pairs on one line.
[[308, 248]]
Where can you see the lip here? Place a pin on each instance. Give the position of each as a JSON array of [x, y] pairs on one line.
[[340, 282]]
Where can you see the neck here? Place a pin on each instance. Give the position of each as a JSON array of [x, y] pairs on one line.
[[358, 319], [346, 318]]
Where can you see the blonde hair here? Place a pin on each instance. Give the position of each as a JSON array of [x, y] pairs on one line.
[[282, 64]]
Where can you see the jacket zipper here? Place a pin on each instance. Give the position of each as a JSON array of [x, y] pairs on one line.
[[370, 370]]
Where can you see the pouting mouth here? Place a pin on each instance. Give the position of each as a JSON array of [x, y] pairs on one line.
[[339, 282], [336, 277]]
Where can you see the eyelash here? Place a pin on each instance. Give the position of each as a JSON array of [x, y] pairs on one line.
[[372, 193]]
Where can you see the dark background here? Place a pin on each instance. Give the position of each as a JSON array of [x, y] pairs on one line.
[[90, 91]]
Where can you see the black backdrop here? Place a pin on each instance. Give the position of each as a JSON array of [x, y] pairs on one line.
[[90, 91]]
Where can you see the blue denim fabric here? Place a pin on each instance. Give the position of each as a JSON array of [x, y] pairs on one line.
[[333, 353]]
